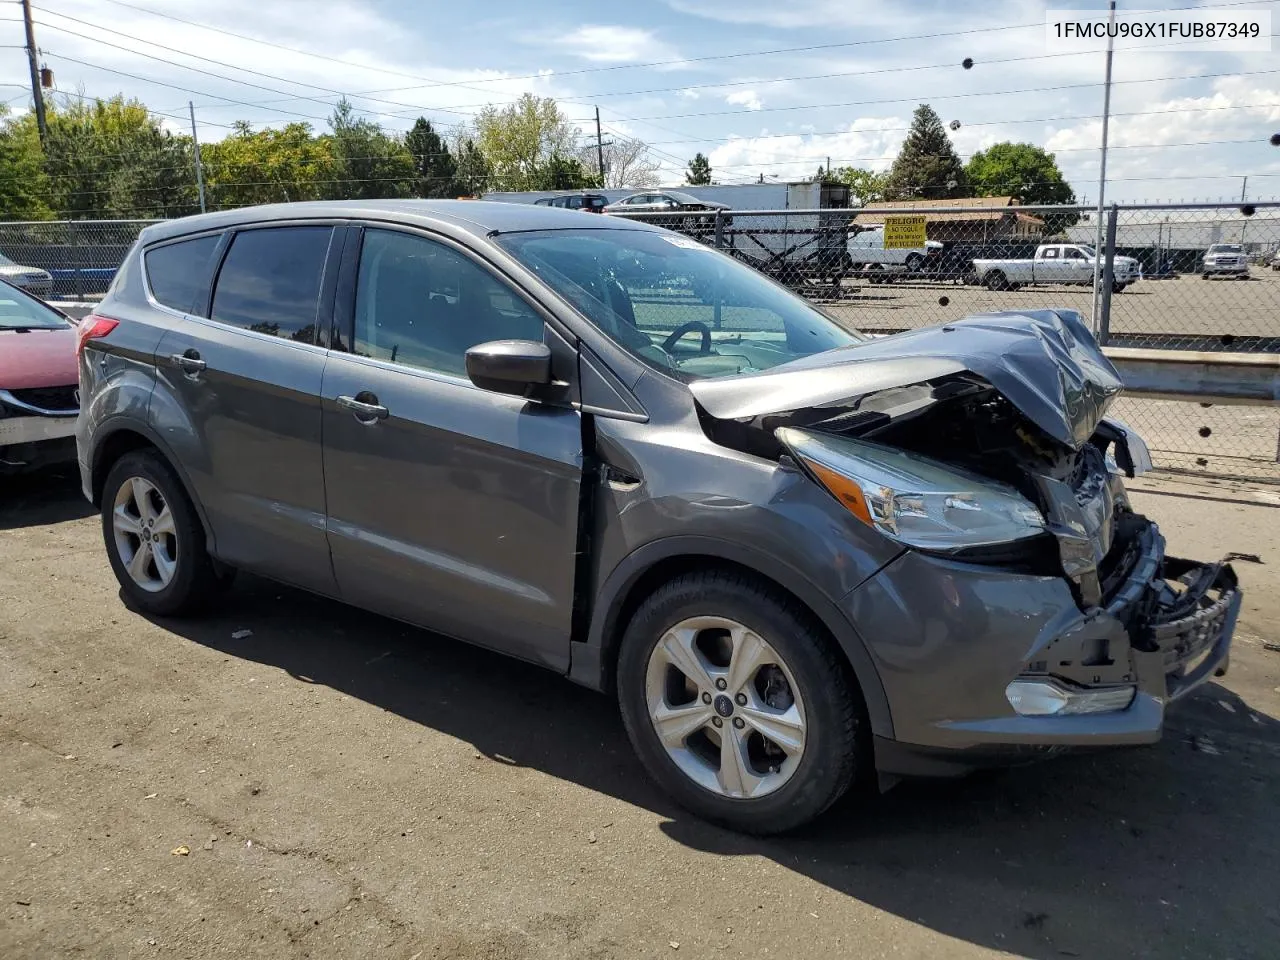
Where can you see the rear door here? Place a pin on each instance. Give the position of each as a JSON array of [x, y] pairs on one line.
[[1049, 267], [239, 399], [448, 506]]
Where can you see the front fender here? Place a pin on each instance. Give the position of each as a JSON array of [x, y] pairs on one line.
[[591, 660]]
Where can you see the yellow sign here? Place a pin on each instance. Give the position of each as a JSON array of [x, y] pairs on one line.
[[904, 232]]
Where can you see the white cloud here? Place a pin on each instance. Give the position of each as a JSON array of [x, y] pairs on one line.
[[744, 98], [615, 44]]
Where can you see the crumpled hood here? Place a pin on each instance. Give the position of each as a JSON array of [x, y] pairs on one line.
[[1045, 362]]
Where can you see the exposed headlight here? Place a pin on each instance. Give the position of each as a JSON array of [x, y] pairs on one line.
[[1049, 698], [911, 498]]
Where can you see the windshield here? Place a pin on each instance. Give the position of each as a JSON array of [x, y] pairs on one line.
[[676, 304], [1087, 251], [1225, 248], [19, 311]]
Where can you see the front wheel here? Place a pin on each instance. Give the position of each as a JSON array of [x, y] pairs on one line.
[[155, 542], [738, 704], [915, 263], [995, 280]]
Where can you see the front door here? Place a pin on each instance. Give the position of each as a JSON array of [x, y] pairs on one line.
[[240, 401], [448, 506]]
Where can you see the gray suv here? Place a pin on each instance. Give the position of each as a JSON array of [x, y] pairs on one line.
[[798, 557]]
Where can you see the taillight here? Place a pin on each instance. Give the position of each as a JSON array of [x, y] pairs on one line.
[[93, 327]]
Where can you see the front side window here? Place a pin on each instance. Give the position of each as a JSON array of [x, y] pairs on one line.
[[674, 303], [178, 273], [270, 281], [20, 311], [423, 304]]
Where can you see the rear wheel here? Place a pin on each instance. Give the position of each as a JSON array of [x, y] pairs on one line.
[[738, 704], [155, 542], [915, 263], [996, 280]]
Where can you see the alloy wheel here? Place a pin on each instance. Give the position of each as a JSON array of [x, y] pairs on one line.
[[145, 536], [725, 707]]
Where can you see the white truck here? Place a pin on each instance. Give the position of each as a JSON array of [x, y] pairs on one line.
[[1054, 263], [867, 252]]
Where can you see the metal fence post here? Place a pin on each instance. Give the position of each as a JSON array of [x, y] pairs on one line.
[[77, 260], [719, 235], [1108, 275]]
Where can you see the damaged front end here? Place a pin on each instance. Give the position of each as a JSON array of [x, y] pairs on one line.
[[986, 442]]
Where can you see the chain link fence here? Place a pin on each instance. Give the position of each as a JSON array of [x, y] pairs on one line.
[[1187, 277]]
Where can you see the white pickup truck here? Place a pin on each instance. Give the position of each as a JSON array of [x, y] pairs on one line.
[[1069, 263]]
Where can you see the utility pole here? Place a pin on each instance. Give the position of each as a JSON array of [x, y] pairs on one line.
[[1102, 167], [195, 143], [1244, 188], [36, 95], [599, 148]]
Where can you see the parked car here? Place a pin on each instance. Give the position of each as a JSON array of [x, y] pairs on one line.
[[1053, 263], [798, 556], [672, 201], [589, 202], [1275, 261], [1224, 260], [866, 251], [31, 279], [39, 393]]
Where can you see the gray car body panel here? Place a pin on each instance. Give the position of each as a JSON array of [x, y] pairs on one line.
[[528, 526]]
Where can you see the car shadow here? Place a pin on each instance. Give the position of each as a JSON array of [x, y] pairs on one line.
[[1131, 853], [42, 497]]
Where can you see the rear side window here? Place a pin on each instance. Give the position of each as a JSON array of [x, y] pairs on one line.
[[179, 272], [270, 281]]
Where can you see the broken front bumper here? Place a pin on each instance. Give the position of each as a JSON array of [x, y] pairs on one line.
[[948, 638]]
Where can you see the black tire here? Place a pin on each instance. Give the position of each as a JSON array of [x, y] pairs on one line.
[[1204, 276], [1118, 287], [915, 263], [197, 577], [837, 747], [995, 280]]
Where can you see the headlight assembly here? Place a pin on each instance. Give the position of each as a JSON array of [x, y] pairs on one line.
[[910, 498]]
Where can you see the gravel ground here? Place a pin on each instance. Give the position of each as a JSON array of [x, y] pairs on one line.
[[333, 784]]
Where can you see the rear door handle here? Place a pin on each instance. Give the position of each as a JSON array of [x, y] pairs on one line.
[[365, 406], [189, 361]]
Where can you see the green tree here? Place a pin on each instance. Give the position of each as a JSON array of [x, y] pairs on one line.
[[1019, 170], [24, 188], [927, 166], [269, 166], [434, 166], [521, 138], [865, 186], [474, 175], [699, 172], [368, 164], [111, 158], [562, 173]]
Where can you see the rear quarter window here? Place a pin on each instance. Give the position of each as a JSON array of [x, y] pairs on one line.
[[270, 281], [178, 273]]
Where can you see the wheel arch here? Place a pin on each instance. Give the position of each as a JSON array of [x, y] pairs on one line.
[[116, 441], [594, 659]]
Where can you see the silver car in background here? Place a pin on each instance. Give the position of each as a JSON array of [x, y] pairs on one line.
[[31, 279], [1224, 260]]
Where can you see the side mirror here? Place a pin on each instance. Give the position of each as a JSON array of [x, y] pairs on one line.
[[509, 366]]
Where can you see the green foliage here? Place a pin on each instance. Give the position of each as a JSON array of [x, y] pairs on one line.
[[368, 164], [699, 173], [1020, 170], [269, 166], [434, 166], [927, 166], [865, 186], [522, 138], [473, 168], [24, 188], [562, 173]]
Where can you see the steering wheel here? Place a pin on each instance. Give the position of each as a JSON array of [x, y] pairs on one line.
[[690, 327]]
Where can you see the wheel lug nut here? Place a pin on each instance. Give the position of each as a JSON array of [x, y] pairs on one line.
[[741, 699], [706, 698], [737, 722], [721, 684], [717, 722]]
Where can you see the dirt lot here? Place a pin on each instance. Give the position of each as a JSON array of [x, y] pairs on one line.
[[343, 786], [1186, 306]]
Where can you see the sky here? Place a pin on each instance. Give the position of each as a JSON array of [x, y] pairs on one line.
[[762, 87]]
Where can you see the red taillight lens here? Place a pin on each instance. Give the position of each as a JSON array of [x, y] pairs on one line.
[[93, 327]]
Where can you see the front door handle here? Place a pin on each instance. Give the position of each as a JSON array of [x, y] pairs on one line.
[[189, 362], [364, 405]]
